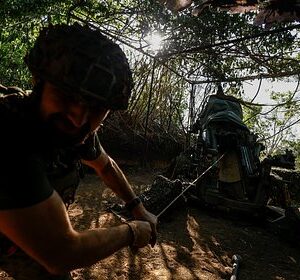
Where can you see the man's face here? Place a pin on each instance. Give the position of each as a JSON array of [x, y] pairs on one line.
[[69, 121]]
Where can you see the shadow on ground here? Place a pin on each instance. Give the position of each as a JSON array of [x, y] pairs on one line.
[[193, 243]]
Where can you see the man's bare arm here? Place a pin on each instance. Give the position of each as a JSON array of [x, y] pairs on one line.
[[45, 233], [114, 178], [112, 175]]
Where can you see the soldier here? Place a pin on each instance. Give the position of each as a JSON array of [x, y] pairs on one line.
[[79, 77]]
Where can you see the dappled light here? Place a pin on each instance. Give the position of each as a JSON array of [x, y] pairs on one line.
[[175, 71], [192, 244], [210, 137]]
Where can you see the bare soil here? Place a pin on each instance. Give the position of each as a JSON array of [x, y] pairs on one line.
[[192, 243]]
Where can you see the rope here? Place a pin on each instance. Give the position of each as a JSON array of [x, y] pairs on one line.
[[190, 185]]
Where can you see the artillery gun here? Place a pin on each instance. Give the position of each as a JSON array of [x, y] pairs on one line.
[[226, 171], [240, 182]]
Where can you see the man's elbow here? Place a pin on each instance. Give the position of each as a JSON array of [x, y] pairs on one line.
[[101, 165]]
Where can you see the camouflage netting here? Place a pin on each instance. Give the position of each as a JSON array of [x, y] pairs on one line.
[[291, 178], [222, 109], [161, 193], [123, 138], [158, 196]]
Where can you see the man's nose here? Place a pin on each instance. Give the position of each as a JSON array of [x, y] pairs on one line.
[[78, 115]]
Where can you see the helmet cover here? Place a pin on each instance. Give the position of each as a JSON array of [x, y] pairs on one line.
[[82, 61]]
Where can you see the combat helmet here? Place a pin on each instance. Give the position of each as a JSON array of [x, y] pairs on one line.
[[82, 61]]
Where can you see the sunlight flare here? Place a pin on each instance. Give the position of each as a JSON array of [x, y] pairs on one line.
[[155, 40]]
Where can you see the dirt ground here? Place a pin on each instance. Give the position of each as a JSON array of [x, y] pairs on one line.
[[192, 243]]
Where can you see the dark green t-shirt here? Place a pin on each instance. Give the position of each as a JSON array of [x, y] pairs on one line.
[[30, 167]]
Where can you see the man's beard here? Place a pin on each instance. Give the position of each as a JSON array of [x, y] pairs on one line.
[[61, 138]]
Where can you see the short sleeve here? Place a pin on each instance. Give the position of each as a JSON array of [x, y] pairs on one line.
[[23, 183], [91, 149]]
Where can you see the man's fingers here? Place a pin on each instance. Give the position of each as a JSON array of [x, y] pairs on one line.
[[134, 250], [152, 220], [153, 240], [153, 235], [141, 231]]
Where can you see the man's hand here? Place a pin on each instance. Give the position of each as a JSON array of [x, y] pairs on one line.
[[141, 233], [140, 213], [114, 178]]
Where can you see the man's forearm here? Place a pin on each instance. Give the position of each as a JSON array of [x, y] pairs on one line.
[[115, 179], [91, 246]]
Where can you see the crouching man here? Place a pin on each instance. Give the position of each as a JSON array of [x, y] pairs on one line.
[[79, 77]]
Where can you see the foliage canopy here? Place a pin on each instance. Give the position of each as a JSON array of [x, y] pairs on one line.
[[198, 54]]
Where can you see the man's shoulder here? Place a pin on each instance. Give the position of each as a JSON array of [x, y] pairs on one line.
[[13, 92], [10, 89], [12, 100], [15, 116]]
